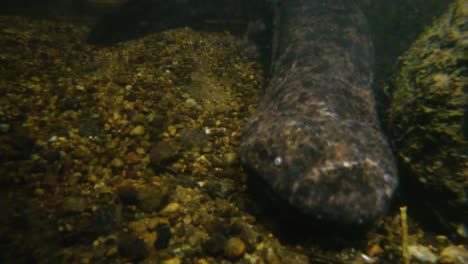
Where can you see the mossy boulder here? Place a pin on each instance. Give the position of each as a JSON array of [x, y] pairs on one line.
[[427, 118]]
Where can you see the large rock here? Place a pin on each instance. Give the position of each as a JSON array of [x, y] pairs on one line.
[[427, 117]]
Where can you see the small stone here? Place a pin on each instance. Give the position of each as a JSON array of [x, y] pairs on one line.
[[235, 247], [190, 102], [137, 227], [117, 163], [174, 260], [75, 204], [375, 250], [39, 191], [151, 199], [422, 253], [247, 233], [134, 249], [215, 244], [163, 152], [171, 130], [92, 178], [132, 158], [270, 256], [193, 137], [140, 151], [251, 109], [441, 238], [138, 131], [170, 209], [454, 255], [102, 221], [196, 238], [206, 149], [230, 158], [149, 238], [128, 195], [4, 128], [164, 236], [112, 251]]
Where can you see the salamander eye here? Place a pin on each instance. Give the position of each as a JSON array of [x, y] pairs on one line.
[[278, 160]]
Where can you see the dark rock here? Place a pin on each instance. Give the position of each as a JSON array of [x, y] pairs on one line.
[[246, 233], [164, 152], [152, 199], [128, 195], [16, 145], [213, 224], [428, 120], [164, 236], [75, 204], [102, 222], [191, 137], [215, 244], [134, 249]]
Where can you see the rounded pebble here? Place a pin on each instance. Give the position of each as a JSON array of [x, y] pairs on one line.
[[454, 255], [163, 152], [138, 131], [235, 247], [170, 209], [75, 204], [133, 248]]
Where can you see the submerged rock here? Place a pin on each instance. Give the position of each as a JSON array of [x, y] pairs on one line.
[[427, 117]]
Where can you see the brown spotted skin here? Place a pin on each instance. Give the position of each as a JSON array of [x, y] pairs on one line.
[[315, 138]]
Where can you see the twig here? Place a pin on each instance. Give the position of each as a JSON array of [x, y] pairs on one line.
[[404, 235]]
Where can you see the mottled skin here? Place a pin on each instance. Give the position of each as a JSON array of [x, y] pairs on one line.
[[315, 138]]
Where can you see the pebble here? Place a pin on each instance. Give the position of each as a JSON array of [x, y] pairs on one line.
[[422, 253], [137, 227], [4, 128], [128, 195], [132, 158], [140, 151], [152, 198], [174, 260], [103, 221], [171, 130], [138, 131], [207, 149], [230, 158], [75, 204], [192, 137], [164, 236], [163, 152], [270, 256], [117, 163], [196, 238], [134, 249], [190, 102], [215, 244], [39, 191], [171, 208], [454, 255], [235, 247]]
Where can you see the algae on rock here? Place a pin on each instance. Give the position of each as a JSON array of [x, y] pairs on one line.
[[427, 117]]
